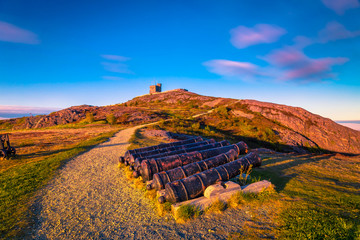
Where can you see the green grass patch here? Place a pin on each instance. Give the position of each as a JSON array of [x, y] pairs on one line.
[[137, 140], [187, 212], [321, 194], [317, 223]]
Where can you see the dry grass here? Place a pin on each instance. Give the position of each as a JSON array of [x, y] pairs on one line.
[[163, 210], [216, 207], [34, 145], [263, 211], [321, 193], [236, 200], [135, 182], [40, 153]]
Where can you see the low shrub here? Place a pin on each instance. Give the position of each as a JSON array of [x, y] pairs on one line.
[[216, 207], [187, 212], [236, 200], [111, 119]]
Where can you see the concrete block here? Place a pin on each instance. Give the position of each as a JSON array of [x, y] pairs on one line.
[[218, 191], [256, 187], [230, 185], [213, 190]]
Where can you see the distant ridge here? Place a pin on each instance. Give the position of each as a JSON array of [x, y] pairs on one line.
[[292, 126]]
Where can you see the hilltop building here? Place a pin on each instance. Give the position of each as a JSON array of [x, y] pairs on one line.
[[155, 88]]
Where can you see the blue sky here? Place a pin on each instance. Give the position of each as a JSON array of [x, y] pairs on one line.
[[57, 54]]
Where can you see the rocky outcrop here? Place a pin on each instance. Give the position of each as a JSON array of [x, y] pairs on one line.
[[307, 129], [178, 97], [130, 115]]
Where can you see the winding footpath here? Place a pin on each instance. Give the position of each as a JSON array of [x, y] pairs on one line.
[[90, 198]]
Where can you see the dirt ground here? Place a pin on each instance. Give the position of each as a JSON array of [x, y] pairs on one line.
[[90, 198]]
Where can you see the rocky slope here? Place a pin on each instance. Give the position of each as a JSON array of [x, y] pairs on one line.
[[293, 126], [307, 129], [127, 115]]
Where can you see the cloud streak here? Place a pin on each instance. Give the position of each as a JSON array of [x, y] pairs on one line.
[[12, 33], [115, 64], [340, 6], [335, 31], [115, 58], [243, 37], [242, 70], [285, 64], [293, 64], [25, 109], [112, 78]]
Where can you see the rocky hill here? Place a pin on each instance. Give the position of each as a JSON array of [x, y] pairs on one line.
[[124, 115], [267, 122], [303, 128]]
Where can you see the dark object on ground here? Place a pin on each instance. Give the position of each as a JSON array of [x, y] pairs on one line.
[[151, 166], [149, 154], [160, 146], [162, 178], [195, 185], [138, 161], [6, 150]]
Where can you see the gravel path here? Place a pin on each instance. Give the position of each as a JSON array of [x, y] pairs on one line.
[[90, 198]]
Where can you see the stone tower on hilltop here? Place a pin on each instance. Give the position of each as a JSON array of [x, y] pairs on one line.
[[155, 88]]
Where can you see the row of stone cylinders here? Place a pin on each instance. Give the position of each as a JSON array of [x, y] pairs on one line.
[[185, 168]]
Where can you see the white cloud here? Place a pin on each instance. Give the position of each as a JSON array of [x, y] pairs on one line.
[[243, 37]]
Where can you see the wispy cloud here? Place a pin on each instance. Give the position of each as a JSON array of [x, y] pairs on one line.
[[243, 37], [12, 33], [285, 57], [340, 6], [289, 63], [285, 64], [115, 58], [335, 31], [116, 67], [115, 64], [113, 78], [241, 70], [293, 64], [302, 42], [25, 109]]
